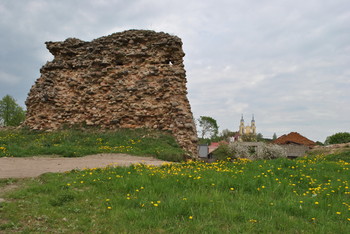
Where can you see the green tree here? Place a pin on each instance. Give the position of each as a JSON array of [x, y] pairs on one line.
[[209, 126], [338, 138], [11, 114], [249, 137], [274, 137], [259, 137]]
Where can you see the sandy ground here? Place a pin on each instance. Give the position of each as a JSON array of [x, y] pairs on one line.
[[35, 166]]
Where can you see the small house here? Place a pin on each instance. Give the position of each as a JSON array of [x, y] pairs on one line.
[[295, 144]]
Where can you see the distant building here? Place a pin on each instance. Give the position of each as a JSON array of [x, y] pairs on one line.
[[214, 145], [295, 144], [245, 130], [205, 151], [294, 138]]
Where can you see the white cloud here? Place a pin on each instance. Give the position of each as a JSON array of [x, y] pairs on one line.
[[9, 79]]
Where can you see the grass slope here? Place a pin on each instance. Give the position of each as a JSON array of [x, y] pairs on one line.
[[278, 196], [75, 143]]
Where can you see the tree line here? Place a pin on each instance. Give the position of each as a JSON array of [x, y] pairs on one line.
[[208, 131]]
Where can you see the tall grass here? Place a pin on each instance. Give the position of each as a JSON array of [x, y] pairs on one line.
[[308, 195], [75, 143]]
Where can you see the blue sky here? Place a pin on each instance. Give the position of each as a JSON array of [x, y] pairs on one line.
[[285, 61]]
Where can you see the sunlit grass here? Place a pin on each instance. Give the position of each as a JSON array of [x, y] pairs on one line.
[[75, 143], [278, 196]]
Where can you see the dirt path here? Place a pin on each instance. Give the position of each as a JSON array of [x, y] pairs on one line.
[[35, 166]]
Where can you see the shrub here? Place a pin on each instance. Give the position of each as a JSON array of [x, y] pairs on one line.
[[338, 138], [241, 150], [270, 151], [223, 152]]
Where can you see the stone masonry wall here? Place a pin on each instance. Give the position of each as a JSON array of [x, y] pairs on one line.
[[132, 79]]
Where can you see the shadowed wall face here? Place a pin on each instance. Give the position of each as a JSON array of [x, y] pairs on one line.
[[132, 79]]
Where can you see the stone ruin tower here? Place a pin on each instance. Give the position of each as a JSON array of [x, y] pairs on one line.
[[132, 79]]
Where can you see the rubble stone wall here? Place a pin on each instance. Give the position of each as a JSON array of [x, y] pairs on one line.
[[132, 79]]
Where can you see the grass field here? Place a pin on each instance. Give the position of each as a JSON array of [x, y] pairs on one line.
[[307, 195], [75, 143]]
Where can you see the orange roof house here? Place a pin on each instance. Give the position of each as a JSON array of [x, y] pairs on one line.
[[294, 138]]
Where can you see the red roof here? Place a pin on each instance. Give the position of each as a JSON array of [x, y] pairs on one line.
[[295, 138], [214, 145]]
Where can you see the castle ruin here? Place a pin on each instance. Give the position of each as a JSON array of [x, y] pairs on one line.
[[132, 79]]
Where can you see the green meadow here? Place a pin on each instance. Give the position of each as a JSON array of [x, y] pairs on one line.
[[76, 143], [306, 195]]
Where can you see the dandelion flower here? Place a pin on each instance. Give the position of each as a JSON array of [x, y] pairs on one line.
[[190, 217]]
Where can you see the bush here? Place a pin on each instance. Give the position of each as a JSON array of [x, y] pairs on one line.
[[241, 150], [270, 151], [223, 152], [338, 138]]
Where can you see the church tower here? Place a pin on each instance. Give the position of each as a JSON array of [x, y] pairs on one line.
[[241, 126], [252, 126]]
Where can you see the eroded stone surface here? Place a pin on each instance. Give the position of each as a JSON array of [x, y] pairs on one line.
[[132, 79]]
